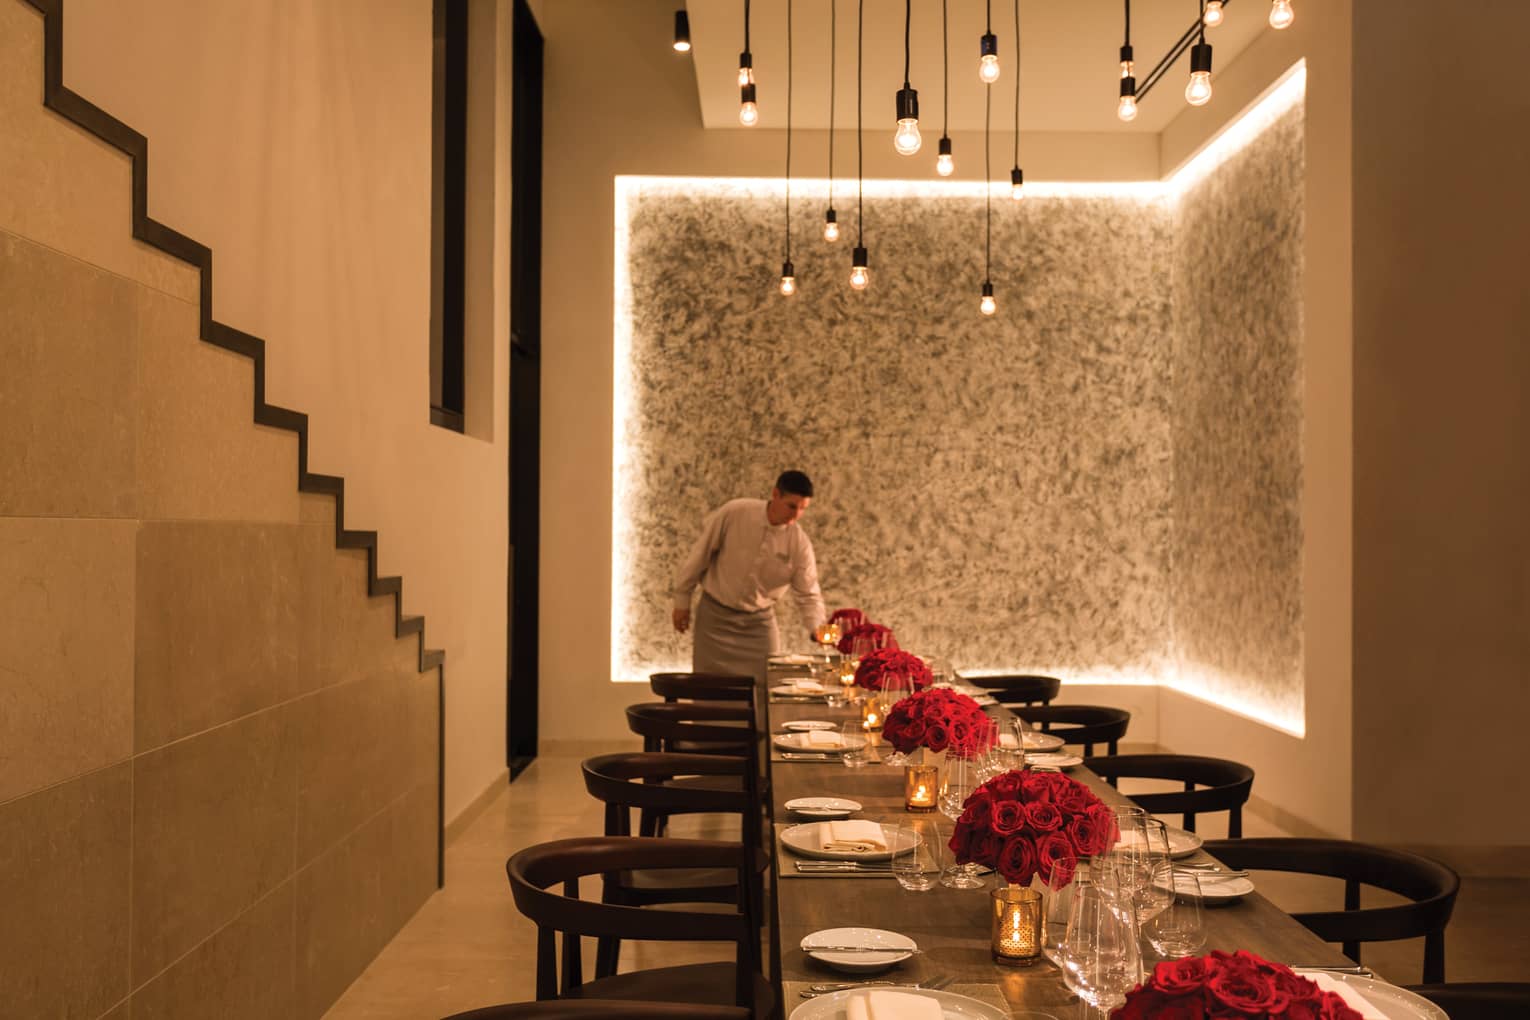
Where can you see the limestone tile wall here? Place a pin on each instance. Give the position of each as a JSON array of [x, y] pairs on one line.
[[1237, 427], [218, 766], [996, 489]]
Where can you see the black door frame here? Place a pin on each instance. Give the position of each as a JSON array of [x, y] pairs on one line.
[[522, 657]]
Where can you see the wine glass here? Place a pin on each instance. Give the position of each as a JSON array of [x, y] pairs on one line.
[[1099, 952], [958, 780], [920, 868], [856, 742], [1171, 911], [895, 687]]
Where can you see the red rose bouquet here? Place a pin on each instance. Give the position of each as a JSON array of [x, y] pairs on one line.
[[1230, 985], [865, 637], [1026, 823], [847, 619], [877, 666], [940, 720]]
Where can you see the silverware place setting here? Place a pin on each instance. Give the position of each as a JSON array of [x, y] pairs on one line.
[[813, 991]]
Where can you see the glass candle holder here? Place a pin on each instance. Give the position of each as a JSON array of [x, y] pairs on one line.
[[1016, 934], [921, 787], [871, 715]]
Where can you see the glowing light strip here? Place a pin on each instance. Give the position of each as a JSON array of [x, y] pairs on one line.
[[1286, 92], [1274, 102]]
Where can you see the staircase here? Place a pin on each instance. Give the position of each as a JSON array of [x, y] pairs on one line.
[[220, 738]]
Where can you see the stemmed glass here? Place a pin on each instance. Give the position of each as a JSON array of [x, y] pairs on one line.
[[895, 687], [1100, 959], [958, 780], [920, 868], [1170, 910]]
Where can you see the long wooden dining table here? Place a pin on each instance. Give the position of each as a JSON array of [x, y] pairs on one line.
[[951, 926]]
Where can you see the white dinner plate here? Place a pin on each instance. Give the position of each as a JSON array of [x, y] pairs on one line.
[[823, 807], [835, 1006], [1053, 760], [1393, 1002], [1181, 843], [798, 658], [815, 690], [1214, 888], [803, 725], [799, 742], [898, 948], [806, 840], [1036, 741]]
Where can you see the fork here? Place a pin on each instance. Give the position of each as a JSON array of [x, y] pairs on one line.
[[932, 985]]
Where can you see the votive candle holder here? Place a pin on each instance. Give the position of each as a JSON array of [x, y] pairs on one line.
[[921, 787], [1016, 933]]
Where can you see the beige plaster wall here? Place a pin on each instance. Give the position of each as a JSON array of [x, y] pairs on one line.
[[1442, 437], [1304, 781], [218, 765], [652, 125], [294, 139]]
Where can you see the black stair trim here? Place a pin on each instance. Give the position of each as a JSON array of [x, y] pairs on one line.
[[109, 129]]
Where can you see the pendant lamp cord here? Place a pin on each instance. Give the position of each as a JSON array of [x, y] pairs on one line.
[[1017, 83], [1128, 40], [746, 26], [789, 130], [833, 52], [908, 14], [945, 70], [860, 37], [987, 187]]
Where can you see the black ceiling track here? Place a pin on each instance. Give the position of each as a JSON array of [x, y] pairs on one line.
[[114, 132]]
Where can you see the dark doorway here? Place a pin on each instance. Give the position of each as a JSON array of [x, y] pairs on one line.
[[525, 388]]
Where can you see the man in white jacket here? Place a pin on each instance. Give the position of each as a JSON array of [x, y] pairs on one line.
[[749, 553]]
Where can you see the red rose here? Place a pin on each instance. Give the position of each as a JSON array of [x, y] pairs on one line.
[[1238, 984], [1302, 1011], [1072, 797], [1043, 817], [1178, 977], [1335, 1008], [977, 810], [1017, 861], [986, 849], [913, 731], [1008, 817], [1007, 785], [1296, 987], [1187, 1007], [1107, 829], [1141, 1004], [936, 738], [1055, 860], [1084, 835], [961, 840]]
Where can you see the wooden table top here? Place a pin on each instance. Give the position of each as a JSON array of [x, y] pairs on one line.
[[951, 925]]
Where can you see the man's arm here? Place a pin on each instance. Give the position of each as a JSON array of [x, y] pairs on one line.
[[805, 590], [694, 566]]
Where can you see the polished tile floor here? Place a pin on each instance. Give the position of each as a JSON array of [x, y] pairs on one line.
[[469, 947]]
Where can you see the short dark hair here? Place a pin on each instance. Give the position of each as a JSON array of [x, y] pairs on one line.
[[796, 483]]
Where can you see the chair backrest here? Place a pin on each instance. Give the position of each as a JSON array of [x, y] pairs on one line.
[[1013, 689], [673, 687], [1505, 1000], [603, 1009], [1082, 724], [661, 725], [637, 780], [535, 869], [1429, 884], [1211, 784]]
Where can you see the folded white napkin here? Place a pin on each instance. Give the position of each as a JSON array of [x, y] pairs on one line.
[[1350, 994], [854, 831], [807, 683], [1008, 740], [883, 1005], [822, 738]]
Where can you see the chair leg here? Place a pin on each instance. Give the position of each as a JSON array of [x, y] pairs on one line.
[[1434, 958], [1235, 823], [607, 951]]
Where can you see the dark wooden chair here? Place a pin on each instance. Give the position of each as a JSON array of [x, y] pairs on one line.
[[675, 687], [1430, 885], [693, 727], [1082, 724], [663, 785], [534, 872], [602, 1009], [1486, 1001], [1211, 784], [1018, 689]]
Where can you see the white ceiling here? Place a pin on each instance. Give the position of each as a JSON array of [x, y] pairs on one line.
[[1069, 79]]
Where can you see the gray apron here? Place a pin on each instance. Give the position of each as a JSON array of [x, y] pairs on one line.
[[732, 640]]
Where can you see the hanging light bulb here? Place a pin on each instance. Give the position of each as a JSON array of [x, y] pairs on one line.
[[1126, 109], [988, 305], [860, 274], [1198, 90], [907, 140], [1281, 14], [682, 31], [1017, 184], [988, 59], [1213, 16], [788, 279], [830, 227], [945, 165], [745, 69], [748, 112]]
